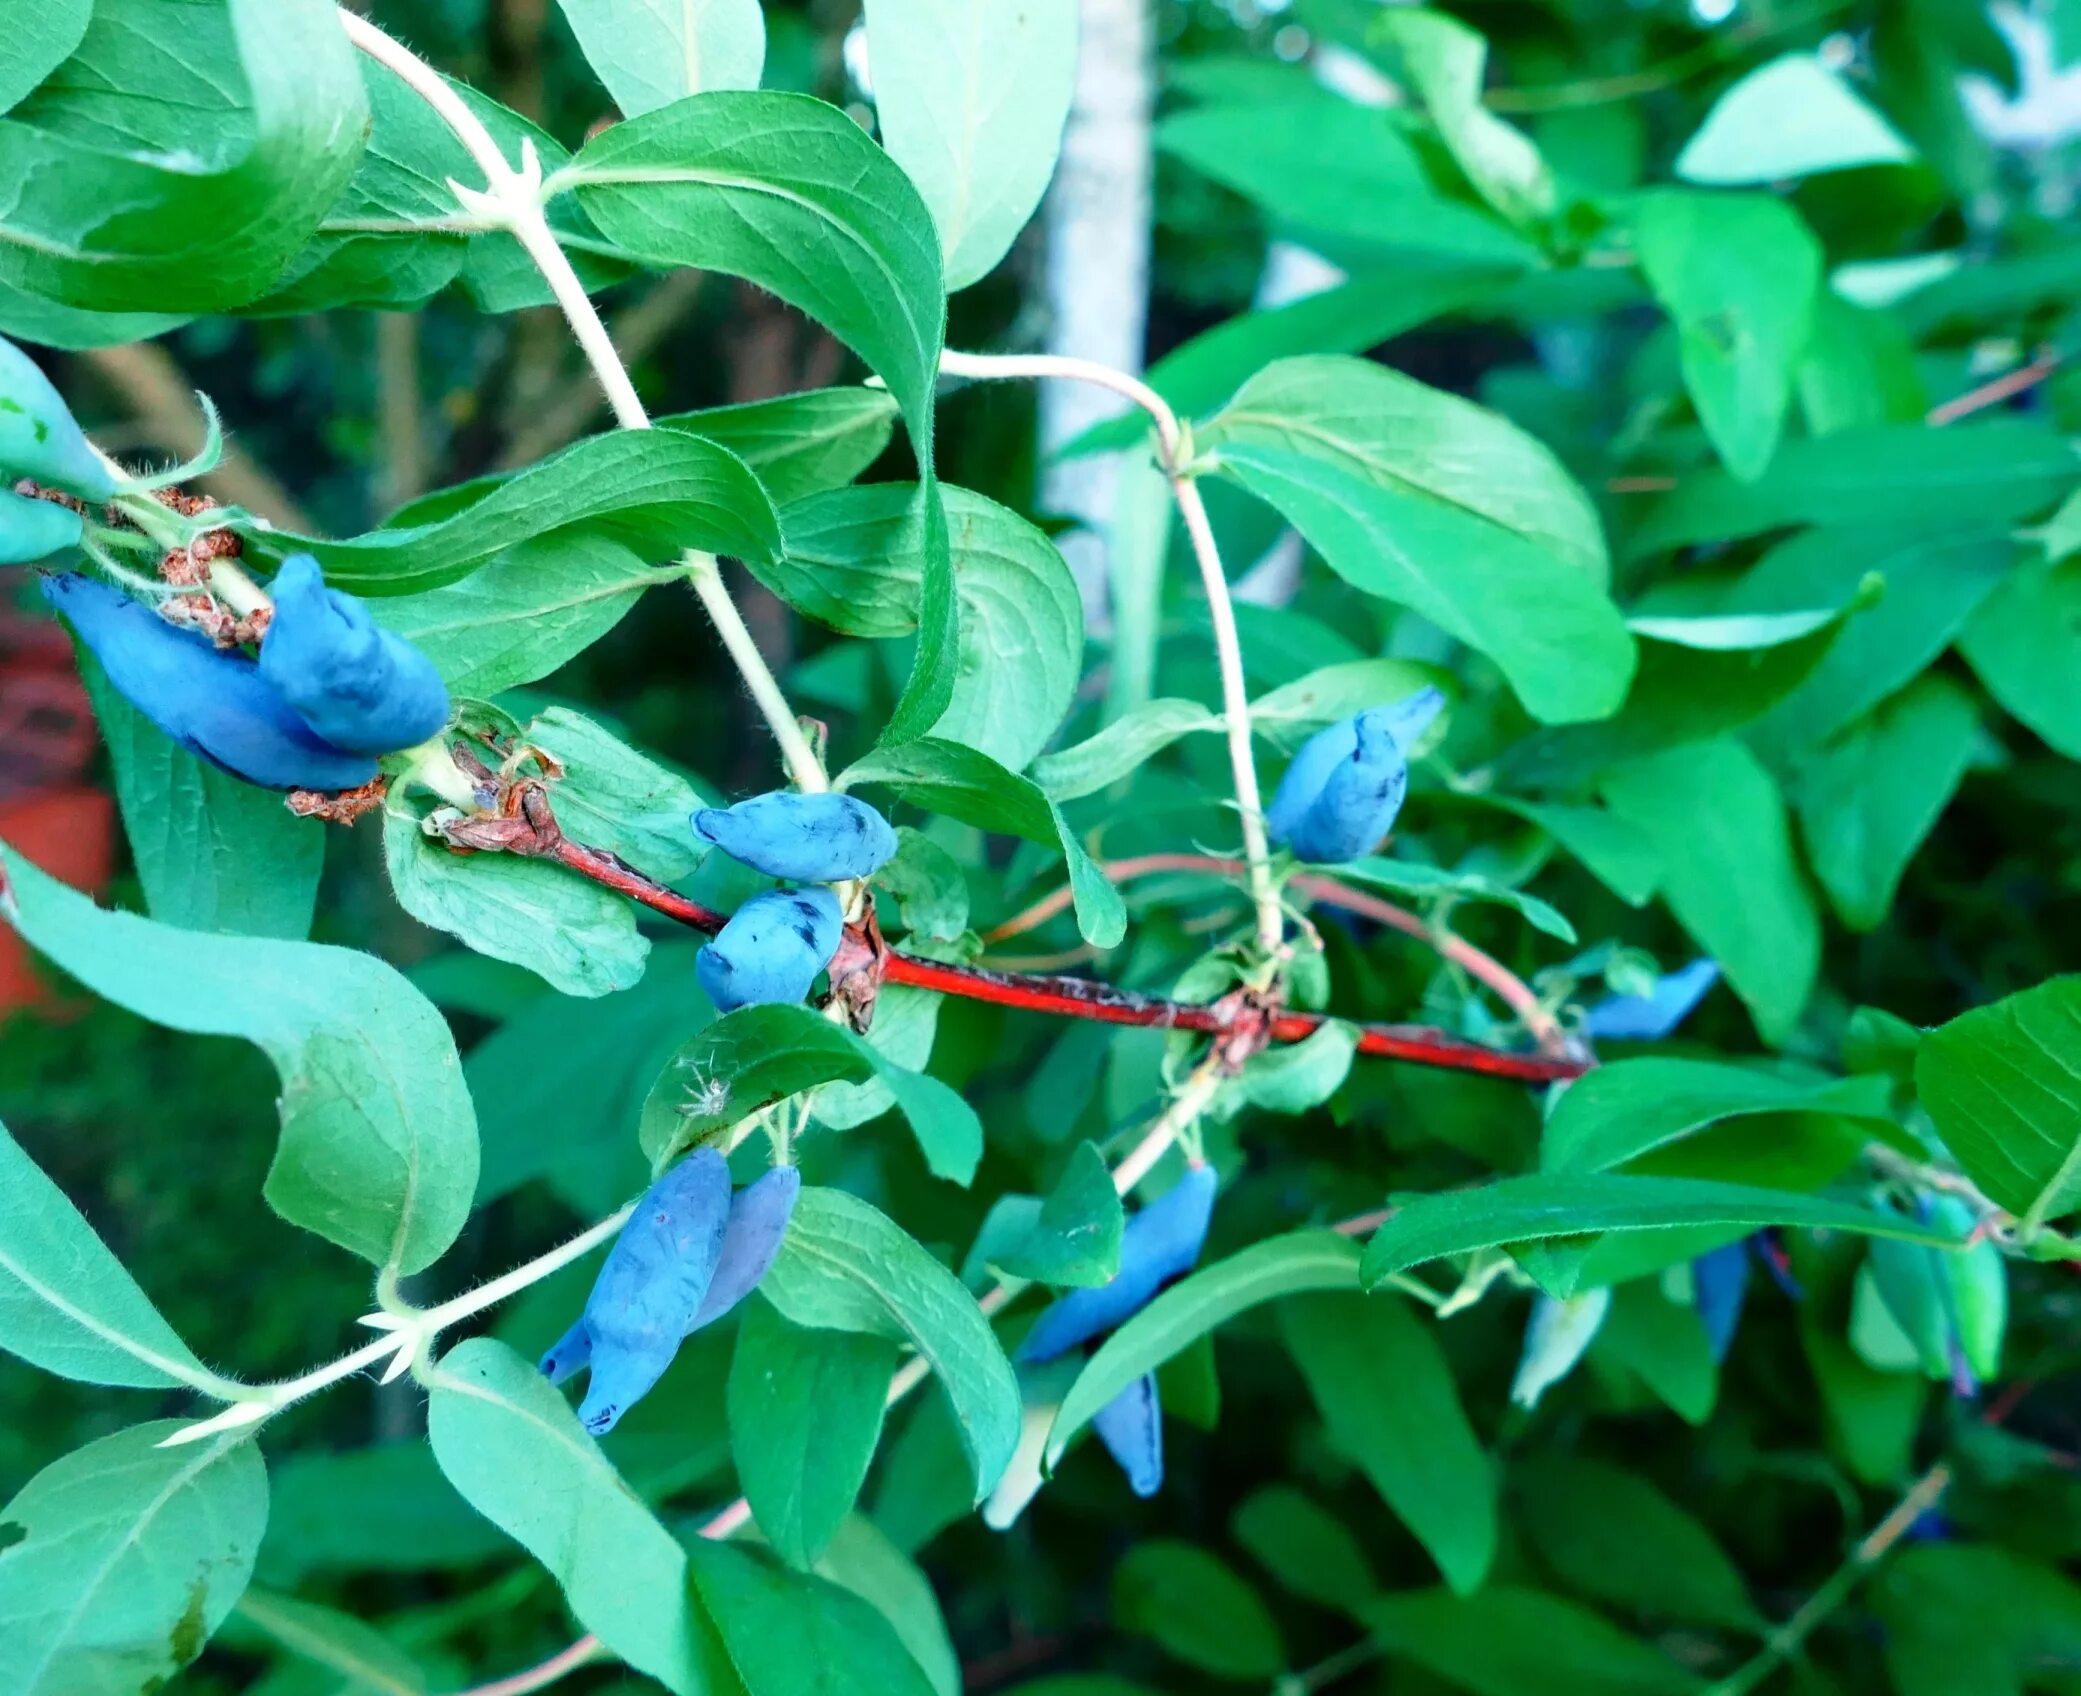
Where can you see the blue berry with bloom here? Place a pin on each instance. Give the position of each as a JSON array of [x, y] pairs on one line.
[[1341, 793]]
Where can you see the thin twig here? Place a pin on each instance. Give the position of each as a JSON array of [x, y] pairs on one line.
[[1996, 390], [1787, 1638], [1103, 1003], [1511, 989], [515, 198]]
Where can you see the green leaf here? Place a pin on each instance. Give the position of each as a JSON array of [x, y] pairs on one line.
[[861, 1559], [1870, 797], [1739, 274], [511, 1444], [1793, 117], [1428, 500], [42, 38], [971, 96], [66, 1304], [2026, 1617], [1265, 1271], [379, 1140], [759, 1055], [406, 1518], [788, 1634], [1619, 1111], [963, 783], [1619, 855], [1350, 318], [1563, 1204], [1334, 692], [122, 1559], [401, 179], [1507, 1641], [800, 444], [231, 135], [853, 560], [1121, 747], [614, 797], [655, 491], [648, 55], [1445, 63], [1408, 877], [1294, 1077], [2020, 644], [805, 1417], [1664, 1344], [1607, 1532], [786, 192], [1728, 874], [1335, 170], [333, 1643], [1684, 693], [1305, 1547], [560, 1083], [847, 1267], [1384, 1389], [212, 853], [929, 888], [906, 1025], [2003, 1084], [1929, 588], [1196, 1609], [576, 936], [528, 611], [1908, 477], [1073, 1235]]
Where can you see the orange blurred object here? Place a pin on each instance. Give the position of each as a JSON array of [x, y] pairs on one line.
[[47, 811]]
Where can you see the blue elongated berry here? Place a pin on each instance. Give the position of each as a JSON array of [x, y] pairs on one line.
[[772, 948], [1720, 1285], [1651, 1017], [357, 685], [759, 1215], [1160, 1243], [212, 703], [803, 838], [1340, 795], [31, 530], [1131, 1427], [39, 437], [570, 1353], [653, 1283]]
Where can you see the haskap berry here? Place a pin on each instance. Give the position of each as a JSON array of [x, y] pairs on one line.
[[758, 1225], [803, 838], [1131, 1427], [1341, 793], [1160, 1243], [1651, 1017], [653, 1283], [772, 948], [1719, 1288], [39, 437], [31, 530], [213, 703], [357, 685]]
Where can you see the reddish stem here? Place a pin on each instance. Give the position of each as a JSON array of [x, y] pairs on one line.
[[1087, 998]]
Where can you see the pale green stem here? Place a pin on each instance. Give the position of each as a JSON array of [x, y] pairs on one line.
[[513, 200], [407, 1335], [1228, 648]]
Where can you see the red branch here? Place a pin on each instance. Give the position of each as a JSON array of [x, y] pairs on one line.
[[1086, 998]]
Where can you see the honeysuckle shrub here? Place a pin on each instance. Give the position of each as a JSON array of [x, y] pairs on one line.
[[1517, 1077]]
